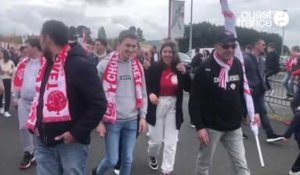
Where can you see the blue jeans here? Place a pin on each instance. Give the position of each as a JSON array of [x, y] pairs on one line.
[[62, 159], [288, 83], [126, 130]]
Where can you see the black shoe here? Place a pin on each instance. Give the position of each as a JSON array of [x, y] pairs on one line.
[[245, 137], [94, 171], [27, 160], [288, 95], [274, 138], [153, 163]]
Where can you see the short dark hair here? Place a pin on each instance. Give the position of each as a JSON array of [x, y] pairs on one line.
[[272, 45], [34, 42], [57, 31], [256, 41], [248, 46], [102, 41], [126, 34]]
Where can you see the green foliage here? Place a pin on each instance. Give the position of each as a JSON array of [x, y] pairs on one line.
[[205, 35], [138, 31], [101, 33]]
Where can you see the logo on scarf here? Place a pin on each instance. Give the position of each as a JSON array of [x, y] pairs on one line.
[[56, 101]]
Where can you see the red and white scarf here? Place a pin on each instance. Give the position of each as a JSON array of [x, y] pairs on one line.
[[56, 105], [19, 74], [230, 27], [225, 67], [18, 77], [109, 82]]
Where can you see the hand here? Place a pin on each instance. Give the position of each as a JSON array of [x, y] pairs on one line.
[[146, 64], [285, 140], [2, 72], [203, 136], [101, 129], [153, 98], [181, 68], [66, 137], [142, 125], [256, 120]]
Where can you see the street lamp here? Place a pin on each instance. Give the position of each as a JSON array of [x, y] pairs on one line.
[[191, 27], [281, 19]]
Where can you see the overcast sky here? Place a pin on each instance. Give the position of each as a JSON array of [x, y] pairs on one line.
[[27, 16]]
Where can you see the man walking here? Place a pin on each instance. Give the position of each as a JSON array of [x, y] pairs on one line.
[[124, 85], [24, 93], [255, 69], [272, 65], [69, 104], [217, 106]]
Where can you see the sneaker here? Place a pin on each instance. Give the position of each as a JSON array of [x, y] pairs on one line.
[[117, 172], [294, 173], [1, 110], [153, 163], [192, 126], [289, 95], [27, 160], [6, 114], [274, 138]]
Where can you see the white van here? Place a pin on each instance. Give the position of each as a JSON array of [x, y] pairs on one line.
[[192, 53]]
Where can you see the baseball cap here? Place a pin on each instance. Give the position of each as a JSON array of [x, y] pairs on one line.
[[226, 37]]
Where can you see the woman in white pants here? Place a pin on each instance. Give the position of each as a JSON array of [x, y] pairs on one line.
[[166, 80]]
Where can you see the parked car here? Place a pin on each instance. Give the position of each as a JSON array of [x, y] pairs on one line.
[[192, 53], [186, 60]]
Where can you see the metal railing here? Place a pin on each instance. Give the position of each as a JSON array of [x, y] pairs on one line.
[[279, 96]]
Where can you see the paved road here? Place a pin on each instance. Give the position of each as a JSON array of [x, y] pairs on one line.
[[278, 157]]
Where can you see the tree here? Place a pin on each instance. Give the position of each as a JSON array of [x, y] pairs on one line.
[[101, 33], [205, 35], [132, 29], [140, 35], [138, 32]]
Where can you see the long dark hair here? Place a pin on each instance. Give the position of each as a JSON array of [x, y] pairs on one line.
[[5, 55], [175, 59]]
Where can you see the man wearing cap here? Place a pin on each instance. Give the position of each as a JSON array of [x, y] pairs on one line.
[[218, 105]]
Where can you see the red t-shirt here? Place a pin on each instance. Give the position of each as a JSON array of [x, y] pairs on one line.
[[168, 83]]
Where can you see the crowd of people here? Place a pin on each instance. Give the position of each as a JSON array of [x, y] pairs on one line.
[[62, 91]]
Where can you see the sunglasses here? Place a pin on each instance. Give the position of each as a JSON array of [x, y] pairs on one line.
[[227, 46]]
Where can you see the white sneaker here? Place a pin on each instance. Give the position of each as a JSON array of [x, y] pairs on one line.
[[6, 114], [1, 110], [117, 172], [294, 173]]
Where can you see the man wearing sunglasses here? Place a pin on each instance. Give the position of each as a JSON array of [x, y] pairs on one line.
[[255, 68], [218, 106]]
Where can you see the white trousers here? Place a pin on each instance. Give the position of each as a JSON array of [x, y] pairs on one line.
[[164, 131]]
